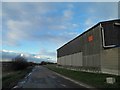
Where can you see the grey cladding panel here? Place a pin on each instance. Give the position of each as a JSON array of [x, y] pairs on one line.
[[92, 47], [73, 47], [111, 33], [81, 43]]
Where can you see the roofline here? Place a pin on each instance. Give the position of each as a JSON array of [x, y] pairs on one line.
[[87, 31], [80, 35], [109, 20]]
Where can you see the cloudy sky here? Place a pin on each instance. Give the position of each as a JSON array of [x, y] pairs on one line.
[[41, 28]]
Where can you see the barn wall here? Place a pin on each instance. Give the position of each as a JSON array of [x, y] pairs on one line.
[[91, 49], [92, 52], [109, 61], [71, 60], [119, 61]]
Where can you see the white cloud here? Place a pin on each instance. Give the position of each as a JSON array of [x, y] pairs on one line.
[[8, 55], [67, 14], [24, 24], [58, 27], [37, 56], [16, 30], [33, 21], [89, 22], [92, 10], [20, 30], [47, 53], [70, 6], [75, 25], [7, 50], [43, 8], [73, 34], [102, 10]]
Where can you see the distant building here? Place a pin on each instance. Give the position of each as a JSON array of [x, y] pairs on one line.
[[97, 48]]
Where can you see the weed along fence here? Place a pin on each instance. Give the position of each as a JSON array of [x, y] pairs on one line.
[[95, 50]]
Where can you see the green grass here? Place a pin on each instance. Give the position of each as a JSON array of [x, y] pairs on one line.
[[94, 79], [10, 80]]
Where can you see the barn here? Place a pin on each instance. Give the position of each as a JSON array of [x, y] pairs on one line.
[[98, 49]]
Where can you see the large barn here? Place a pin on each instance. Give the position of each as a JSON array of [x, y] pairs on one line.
[[97, 48]]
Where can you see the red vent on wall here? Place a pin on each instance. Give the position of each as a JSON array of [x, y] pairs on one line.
[[90, 38]]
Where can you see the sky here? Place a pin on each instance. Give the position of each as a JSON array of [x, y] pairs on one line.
[[42, 27]]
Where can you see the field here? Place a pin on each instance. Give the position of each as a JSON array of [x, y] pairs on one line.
[[93, 79], [11, 77]]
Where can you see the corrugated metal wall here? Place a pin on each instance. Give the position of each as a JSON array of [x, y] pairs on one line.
[[119, 61], [87, 50], [91, 50], [111, 32], [71, 60], [110, 56], [109, 61], [74, 46]]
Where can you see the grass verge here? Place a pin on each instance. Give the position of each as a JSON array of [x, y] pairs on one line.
[[94, 79], [10, 80]]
